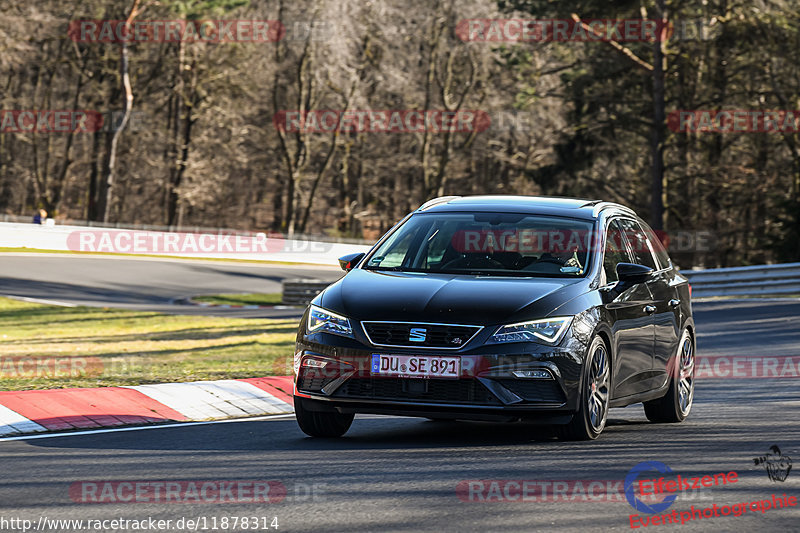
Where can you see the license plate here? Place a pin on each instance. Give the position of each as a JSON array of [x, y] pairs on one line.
[[416, 366]]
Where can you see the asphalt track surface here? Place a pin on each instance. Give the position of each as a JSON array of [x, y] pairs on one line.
[[402, 474], [147, 284]]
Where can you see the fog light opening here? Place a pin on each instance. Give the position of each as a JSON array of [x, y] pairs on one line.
[[314, 363], [532, 374]]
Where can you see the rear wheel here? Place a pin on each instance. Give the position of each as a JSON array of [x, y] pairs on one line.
[[677, 403], [321, 423], [590, 420]]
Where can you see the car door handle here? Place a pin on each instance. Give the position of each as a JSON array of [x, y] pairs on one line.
[[674, 302], [649, 309]]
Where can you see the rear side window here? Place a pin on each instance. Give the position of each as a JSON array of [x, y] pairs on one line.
[[658, 247], [639, 245], [615, 251]]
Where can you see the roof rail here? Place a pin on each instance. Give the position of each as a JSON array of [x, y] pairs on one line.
[[436, 201], [600, 206]]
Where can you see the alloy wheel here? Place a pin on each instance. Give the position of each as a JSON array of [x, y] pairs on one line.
[[598, 388], [686, 376]]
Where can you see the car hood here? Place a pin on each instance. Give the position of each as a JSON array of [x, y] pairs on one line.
[[370, 295]]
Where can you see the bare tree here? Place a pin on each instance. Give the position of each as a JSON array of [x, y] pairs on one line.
[[127, 106]]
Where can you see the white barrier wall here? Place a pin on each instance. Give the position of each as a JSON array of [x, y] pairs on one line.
[[258, 247], [753, 280]]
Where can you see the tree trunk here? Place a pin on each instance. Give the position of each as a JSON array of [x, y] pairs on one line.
[[184, 109], [127, 106], [657, 141]]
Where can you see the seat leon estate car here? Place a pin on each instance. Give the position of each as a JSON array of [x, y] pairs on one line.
[[501, 308]]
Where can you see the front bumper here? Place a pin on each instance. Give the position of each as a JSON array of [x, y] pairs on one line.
[[487, 388]]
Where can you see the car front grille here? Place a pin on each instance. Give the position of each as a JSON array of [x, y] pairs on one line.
[[535, 390], [445, 336], [452, 391]]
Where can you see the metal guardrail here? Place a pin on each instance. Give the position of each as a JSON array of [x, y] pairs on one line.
[[301, 291], [759, 280]]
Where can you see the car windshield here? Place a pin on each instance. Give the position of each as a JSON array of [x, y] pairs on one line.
[[502, 244]]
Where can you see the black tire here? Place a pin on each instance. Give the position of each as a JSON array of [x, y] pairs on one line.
[[321, 423], [588, 423], [674, 406]]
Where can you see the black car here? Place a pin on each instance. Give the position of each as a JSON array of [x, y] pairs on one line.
[[501, 308]]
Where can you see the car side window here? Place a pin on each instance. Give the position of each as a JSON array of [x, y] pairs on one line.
[[639, 245], [396, 251], [658, 247], [615, 251], [439, 238]]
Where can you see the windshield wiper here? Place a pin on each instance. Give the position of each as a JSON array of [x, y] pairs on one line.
[[393, 269], [506, 273], [512, 273]]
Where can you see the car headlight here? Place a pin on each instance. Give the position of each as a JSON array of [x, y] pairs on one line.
[[323, 320], [546, 331]]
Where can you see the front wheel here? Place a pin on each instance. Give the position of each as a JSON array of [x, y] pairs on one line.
[[677, 403], [590, 420], [321, 423]]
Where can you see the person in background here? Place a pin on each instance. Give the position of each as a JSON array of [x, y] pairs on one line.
[[40, 217]]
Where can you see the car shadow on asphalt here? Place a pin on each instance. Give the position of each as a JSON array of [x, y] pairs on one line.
[[368, 432]]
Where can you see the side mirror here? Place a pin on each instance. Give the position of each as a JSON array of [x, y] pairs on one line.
[[349, 261], [631, 273]]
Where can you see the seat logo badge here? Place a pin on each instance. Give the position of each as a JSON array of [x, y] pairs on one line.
[[417, 334]]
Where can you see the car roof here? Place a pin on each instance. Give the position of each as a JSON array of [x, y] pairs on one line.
[[541, 205]]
